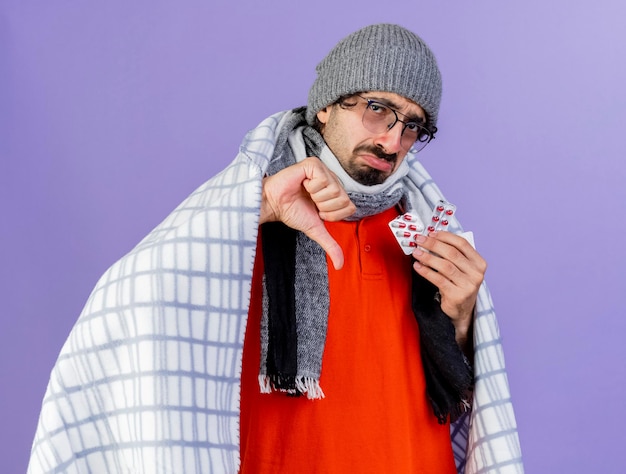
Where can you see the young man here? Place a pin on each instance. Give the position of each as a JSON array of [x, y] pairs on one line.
[[273, 324]]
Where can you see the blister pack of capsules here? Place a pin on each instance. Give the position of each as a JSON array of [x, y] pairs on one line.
[[408, 226]]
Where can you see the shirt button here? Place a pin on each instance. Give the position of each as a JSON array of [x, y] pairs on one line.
[[367, 247]]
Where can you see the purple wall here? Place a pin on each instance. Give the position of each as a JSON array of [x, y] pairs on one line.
[[110, 114]]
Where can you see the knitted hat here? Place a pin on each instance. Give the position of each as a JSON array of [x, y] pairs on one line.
[[379, 57]]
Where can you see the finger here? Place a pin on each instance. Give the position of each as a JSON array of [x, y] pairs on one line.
[[447, 247], [317, 175], [335, 216], [448, 274], [433, 276], [320, 235], [443, 271], [330, 193], [328, 201], [461, 245], [335, 211], [332, 202], [324, 186], [318, 182], [457, 302], [438, 255]]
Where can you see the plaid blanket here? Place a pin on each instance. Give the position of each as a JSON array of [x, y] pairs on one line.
[[148, 380]]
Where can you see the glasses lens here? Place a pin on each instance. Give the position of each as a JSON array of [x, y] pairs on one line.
[[415, 137], [378, 118]]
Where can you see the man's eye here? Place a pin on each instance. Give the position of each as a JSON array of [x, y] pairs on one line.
[[423, 136], [378, 108]]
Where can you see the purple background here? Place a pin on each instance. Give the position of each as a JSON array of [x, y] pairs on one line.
[[112, 112]]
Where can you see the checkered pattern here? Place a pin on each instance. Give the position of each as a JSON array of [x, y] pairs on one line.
[[148, 380]]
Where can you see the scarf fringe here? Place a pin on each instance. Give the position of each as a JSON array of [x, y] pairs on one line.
[[292, 386], [456, 412]]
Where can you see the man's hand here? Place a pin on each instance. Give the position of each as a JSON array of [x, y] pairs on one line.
[[304, 195], [457, 270]]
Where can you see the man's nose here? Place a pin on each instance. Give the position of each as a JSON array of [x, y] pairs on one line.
[[391, 140]]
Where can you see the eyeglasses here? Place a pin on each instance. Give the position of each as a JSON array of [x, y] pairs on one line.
[[380, 118]]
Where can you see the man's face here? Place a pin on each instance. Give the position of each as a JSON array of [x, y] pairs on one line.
[[369, 158]]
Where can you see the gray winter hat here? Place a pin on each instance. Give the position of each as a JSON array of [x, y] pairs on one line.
[[380, 57]]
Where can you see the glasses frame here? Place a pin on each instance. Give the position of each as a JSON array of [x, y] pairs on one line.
[[412, 148]]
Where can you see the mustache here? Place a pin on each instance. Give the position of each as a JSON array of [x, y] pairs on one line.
[[378, 152]]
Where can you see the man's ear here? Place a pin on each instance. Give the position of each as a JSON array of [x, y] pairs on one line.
[[323, 114]]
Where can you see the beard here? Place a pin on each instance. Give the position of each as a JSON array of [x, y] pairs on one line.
[[366, 175]]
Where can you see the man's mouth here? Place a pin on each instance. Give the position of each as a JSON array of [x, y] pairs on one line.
[[377, 159]]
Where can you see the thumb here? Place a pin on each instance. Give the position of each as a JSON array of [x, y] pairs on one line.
[[320, 235]]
